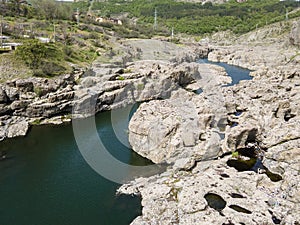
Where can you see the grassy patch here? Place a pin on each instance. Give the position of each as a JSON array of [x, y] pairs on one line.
[[120, 78], [12, 68], [36, 122]]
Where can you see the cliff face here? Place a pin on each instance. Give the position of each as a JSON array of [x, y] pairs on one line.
[[234, 154], [29, 101]]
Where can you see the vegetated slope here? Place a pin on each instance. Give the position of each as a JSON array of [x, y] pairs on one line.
[[79, 42], [197, 18], [278, 32], [70, 45]]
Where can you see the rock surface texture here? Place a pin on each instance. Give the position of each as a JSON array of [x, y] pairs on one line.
[[34, 101], [210, 139], [233, 151], [295, 34]]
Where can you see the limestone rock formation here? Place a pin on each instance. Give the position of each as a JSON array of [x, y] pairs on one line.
[[212, 193], [295, 34], [30, 101], [13, 127], [257, 118], [102, 87], [184, 126], [3, 96]]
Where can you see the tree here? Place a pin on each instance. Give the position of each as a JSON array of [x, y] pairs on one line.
[[50, 9], [45, 59], [16, 6], [32, 52]]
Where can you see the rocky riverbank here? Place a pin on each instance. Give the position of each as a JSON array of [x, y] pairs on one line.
[[33, 101], [36, 101], [234, 151]]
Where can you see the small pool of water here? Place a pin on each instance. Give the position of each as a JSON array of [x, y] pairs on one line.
[[251, 163]]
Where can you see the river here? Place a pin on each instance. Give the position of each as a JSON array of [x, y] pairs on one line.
[[45, 180], [236, 73]]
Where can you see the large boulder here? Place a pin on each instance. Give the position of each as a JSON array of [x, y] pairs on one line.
[[160, 129], [237, 137], [186, 124], [12, 93], [24, 85], [3, 96], [183, 126], [18, 129], [295, 34]]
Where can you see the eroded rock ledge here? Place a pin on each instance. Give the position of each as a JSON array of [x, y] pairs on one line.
[[35, 101], [182, 131], [204, 136]]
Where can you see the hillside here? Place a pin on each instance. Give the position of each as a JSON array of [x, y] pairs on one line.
[[78, 33], [196, 18]]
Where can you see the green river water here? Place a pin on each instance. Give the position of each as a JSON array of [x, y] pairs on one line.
[[45, 180]]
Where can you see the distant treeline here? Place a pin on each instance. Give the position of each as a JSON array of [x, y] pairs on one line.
[[195, 18], [42, 9], [185, 17]]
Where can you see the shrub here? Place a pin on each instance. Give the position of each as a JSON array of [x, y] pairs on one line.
[[120, 78], [235, 154], [52, 68], [32, 52], [38, 91], [43, 58]]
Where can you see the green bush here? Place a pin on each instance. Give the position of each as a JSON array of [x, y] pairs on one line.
[[120, 78], [38, 91], [52, 68], [45, 59], [32, 52]]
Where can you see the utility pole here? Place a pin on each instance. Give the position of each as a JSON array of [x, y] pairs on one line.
[[172, 34], [77, 15], [54, 32], [31, 30], [286, 14], [1, 32], [155, 19]]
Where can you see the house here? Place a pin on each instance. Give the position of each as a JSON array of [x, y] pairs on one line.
[[115, 21], [11, 46], [100, 20], [7, 47], [43, 39], [109, 20], [65, 0], [4, 38]]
